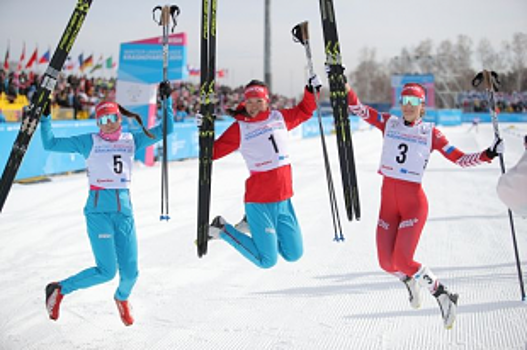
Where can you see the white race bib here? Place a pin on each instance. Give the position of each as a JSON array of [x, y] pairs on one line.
[[406, 150], [264, 144], [110, 163]]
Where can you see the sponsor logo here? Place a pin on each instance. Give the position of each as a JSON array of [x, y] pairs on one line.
[[104, 180], [105, 235], [408, 223], [383, 224], [270, 230]]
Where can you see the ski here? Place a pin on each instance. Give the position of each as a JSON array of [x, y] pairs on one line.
[[41, 98], [206, 130], [339, 104]]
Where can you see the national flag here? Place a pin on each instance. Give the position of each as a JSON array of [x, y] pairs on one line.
[[87, 63], [81, 59], [110, 64], [193, 72], [32, 59], [70, 64], [22, 58], [6, 60], [44, 58], [98, 65], [221, 73]]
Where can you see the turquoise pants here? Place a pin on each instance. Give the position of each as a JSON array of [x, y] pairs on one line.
[[274, 230], [114, 245]]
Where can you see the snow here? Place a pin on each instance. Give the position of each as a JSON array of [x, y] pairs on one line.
[[335, 297]]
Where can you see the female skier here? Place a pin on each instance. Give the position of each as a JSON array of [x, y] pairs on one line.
[[408, 143], [261, 136], [109, 217]]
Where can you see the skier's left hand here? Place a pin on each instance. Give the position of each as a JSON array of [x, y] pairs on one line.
[[199, 120], [497, 147], [165, 90], [314, 83]]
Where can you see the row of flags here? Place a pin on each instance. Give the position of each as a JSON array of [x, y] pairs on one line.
[[85, 65]]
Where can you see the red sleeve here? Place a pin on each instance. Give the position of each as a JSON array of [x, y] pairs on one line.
[[455, 155], [301, 112], [367, 113], [228, 142]]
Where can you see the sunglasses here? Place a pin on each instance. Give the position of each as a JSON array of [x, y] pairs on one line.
[[412, 100], [105, 119]]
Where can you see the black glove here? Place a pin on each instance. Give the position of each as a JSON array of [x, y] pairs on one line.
[[165, 90], [496, 148]]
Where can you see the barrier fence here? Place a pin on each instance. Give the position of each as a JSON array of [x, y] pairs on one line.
[[183, 142]]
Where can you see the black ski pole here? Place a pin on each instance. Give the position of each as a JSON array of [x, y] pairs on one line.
[[491, 82], [167, 14], [41, 98], [301, 34]]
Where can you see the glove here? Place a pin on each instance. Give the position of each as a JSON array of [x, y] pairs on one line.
[[314, 83], [342, 67], [165, 90], [199, 120], [496, 148]]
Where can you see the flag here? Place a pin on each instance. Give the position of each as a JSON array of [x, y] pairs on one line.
[[70, 64], [87, 63], [98, 65], [221, 73], [81, 59], [22, 58], [193, 72], [32, 59], [6, 60], [110, 64], [44, 58]]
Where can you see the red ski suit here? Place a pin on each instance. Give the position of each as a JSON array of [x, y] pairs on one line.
[[404, 207], [274, 185]]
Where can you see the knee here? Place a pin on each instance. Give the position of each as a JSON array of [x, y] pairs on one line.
[[107, 273], [268, 262], [293, 256]]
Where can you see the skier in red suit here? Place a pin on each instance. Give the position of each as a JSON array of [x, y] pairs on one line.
[[408, 143]]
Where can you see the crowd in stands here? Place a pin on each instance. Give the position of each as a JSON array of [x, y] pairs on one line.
[[476, 101], [80, 94]]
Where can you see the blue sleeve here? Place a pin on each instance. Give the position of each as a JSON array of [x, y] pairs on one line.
[[142, 140], [81, 144]]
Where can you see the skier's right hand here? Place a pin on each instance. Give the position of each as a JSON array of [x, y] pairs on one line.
[[165, 90]]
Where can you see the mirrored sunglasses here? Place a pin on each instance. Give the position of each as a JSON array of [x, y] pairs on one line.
[[105, 119], [412, 100]]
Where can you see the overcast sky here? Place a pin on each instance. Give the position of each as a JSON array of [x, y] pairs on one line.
[[386, 25]]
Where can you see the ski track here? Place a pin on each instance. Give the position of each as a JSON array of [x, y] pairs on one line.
[[335, 297]]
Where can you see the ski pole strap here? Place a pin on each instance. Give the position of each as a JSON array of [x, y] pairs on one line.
[[300, 33], [162, 15]]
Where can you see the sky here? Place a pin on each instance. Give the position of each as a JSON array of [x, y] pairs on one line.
[[384, 25], [334, 297]]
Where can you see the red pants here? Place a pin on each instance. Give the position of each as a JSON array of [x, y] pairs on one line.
[[403, 213]]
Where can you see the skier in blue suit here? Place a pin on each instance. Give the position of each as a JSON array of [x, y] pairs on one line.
[[109, 216]]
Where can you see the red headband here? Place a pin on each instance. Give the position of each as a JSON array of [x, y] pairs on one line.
[[105, 108], [413, 89], [256, 91]]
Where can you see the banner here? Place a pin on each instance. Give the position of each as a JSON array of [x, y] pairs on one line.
[[139, 74]]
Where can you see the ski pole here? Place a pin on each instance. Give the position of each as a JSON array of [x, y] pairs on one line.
[[167, 14], [491, 82], [301, 34]]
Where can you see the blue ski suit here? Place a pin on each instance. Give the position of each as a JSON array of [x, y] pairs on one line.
[[109, 216]]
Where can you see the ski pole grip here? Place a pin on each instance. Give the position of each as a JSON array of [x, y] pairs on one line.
[[165, 16], [300, 32], [487, 80]]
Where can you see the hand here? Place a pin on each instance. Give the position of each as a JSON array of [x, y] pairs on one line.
[[314, 83], [199, 120], [496, 148], [165, 90], [340, 69]]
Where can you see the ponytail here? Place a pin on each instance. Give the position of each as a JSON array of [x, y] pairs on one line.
[[137, 117]]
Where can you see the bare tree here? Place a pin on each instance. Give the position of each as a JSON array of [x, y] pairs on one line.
[[489, 58], [370, 78]]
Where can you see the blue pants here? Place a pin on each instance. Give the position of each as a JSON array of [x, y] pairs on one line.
[[274, 230], [114, 245]]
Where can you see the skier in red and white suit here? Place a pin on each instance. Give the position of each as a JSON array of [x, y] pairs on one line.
[[408, 143], [261, 135]]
